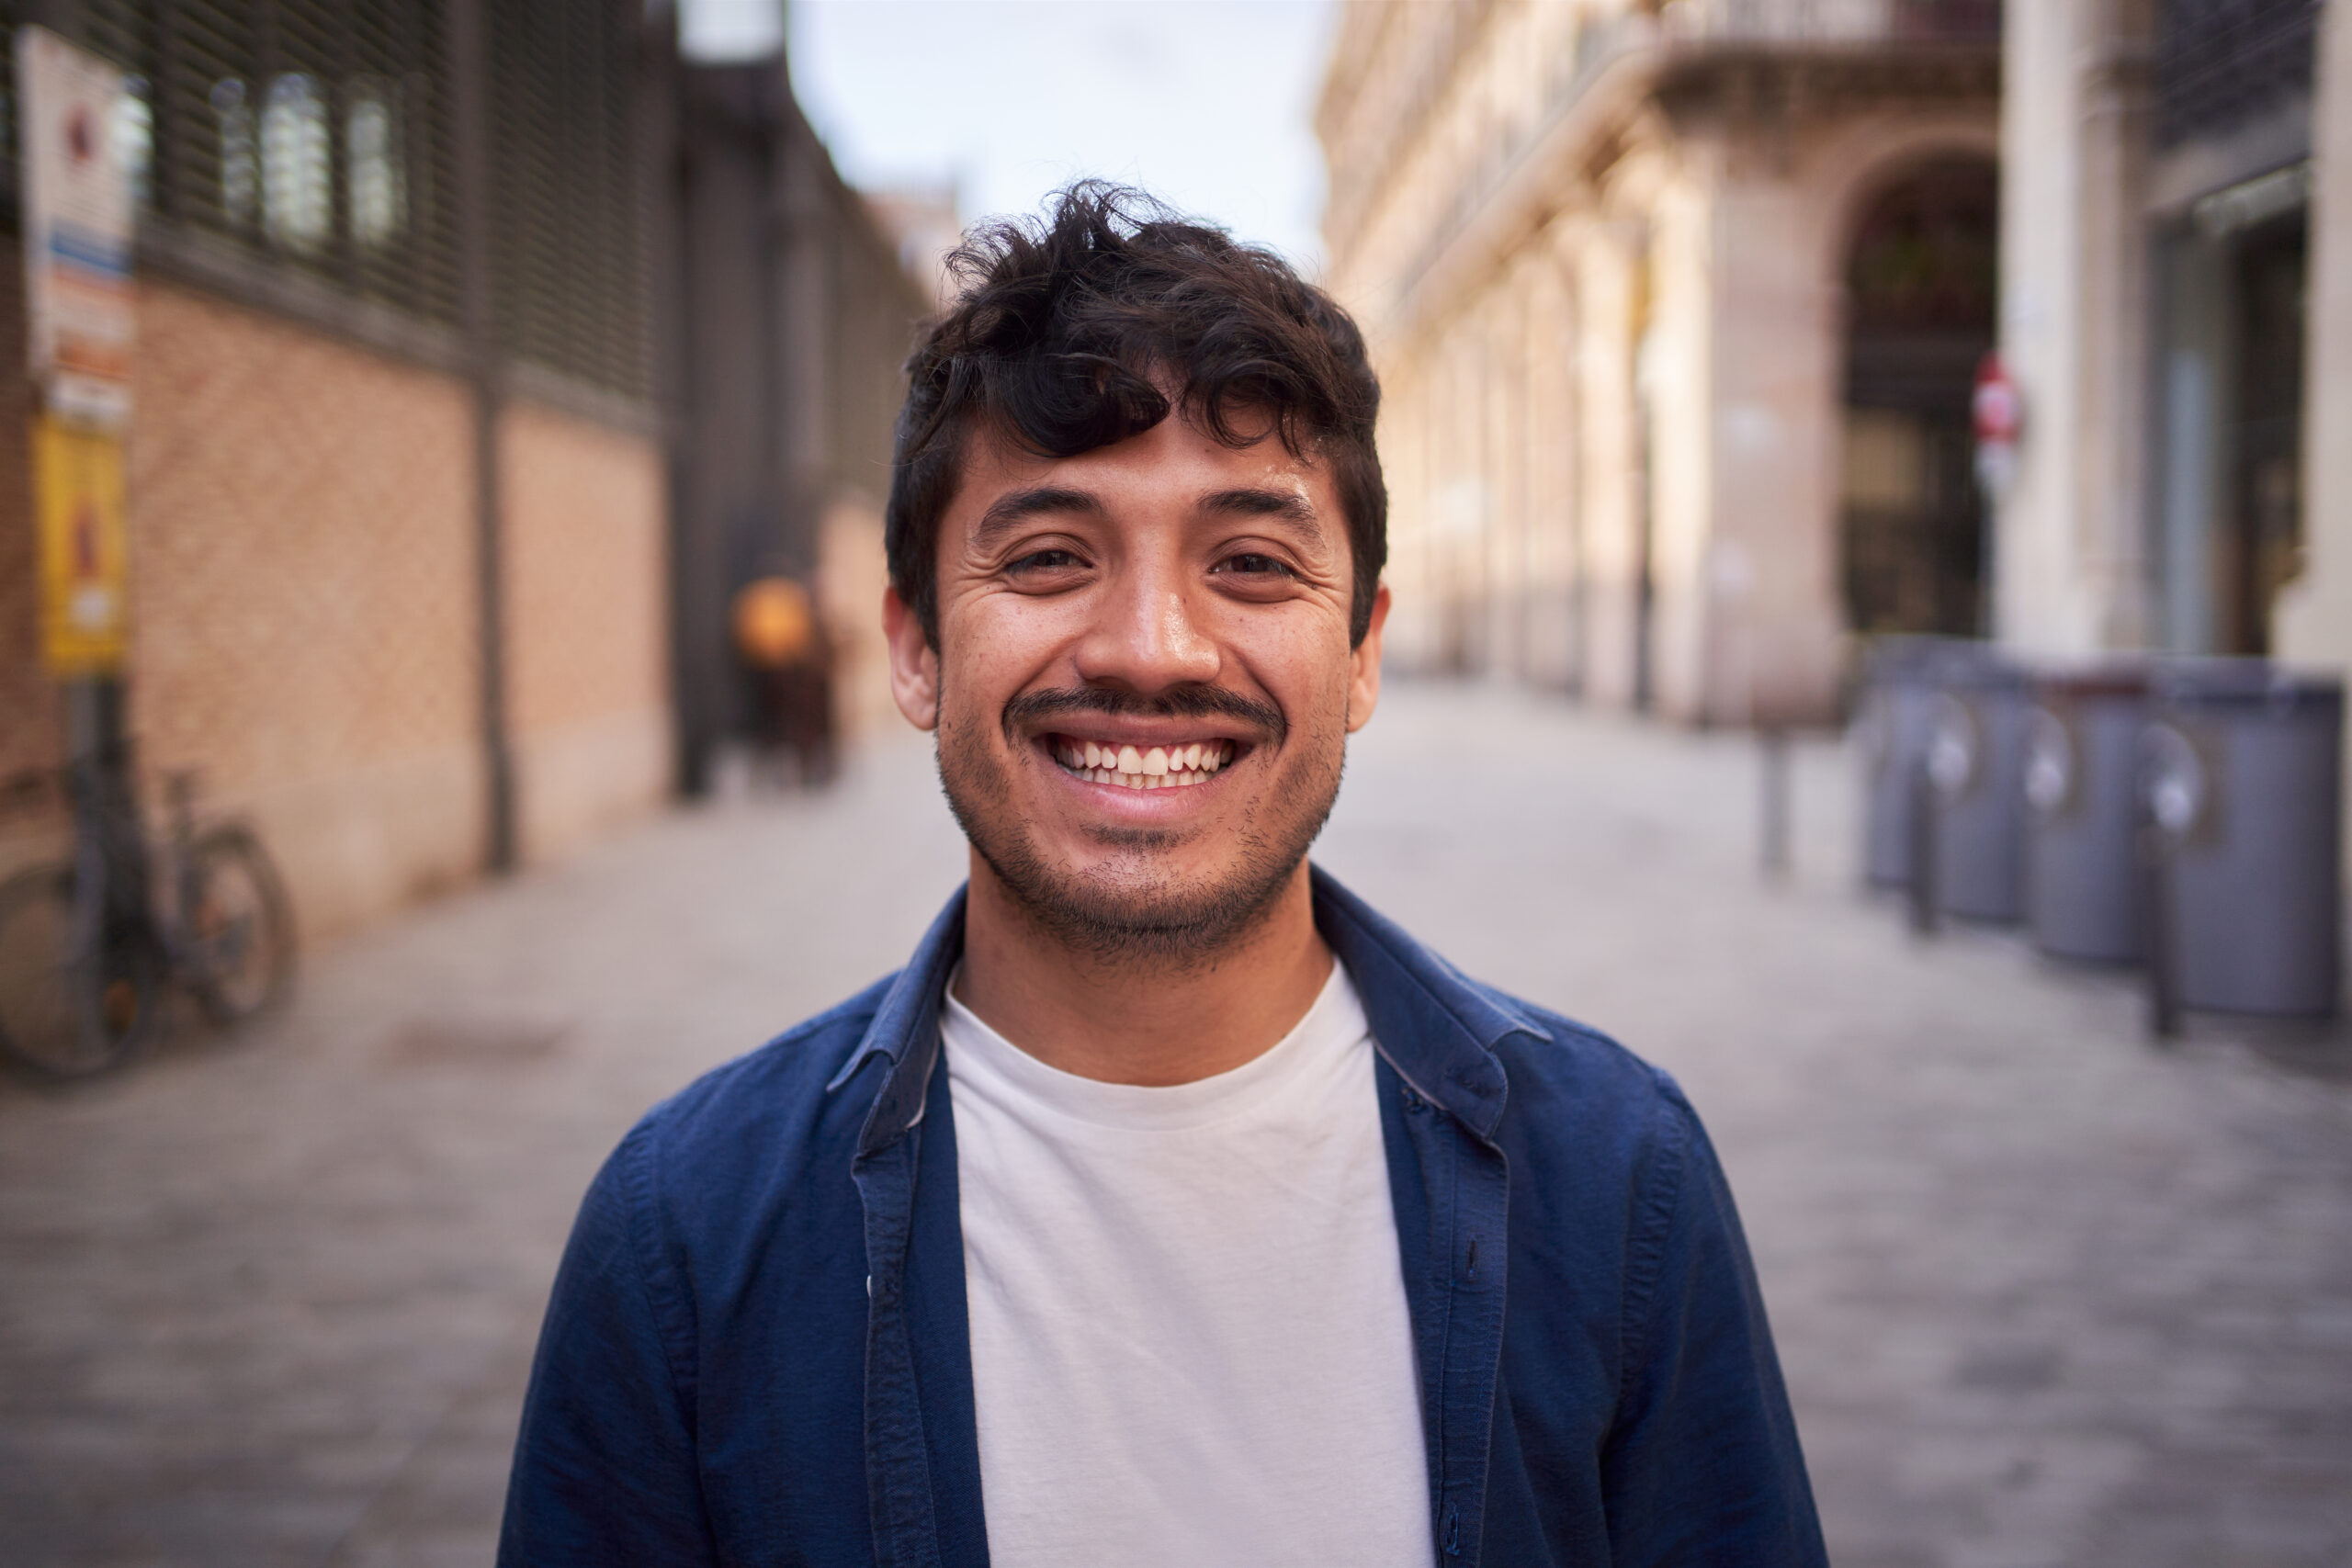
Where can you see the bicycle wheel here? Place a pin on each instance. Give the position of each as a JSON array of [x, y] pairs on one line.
[[238, 927], [66, 1013]]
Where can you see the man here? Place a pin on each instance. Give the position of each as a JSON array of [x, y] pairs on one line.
[[1171, 1207]]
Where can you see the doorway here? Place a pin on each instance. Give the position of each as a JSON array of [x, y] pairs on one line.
[[2230, 452], [1921, 273]]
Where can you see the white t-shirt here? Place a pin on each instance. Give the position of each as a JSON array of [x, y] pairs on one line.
[[1189, 1339]]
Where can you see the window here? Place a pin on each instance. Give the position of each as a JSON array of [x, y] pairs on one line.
[[239, 164], [378, 175], [319, 135], [131, 137], [297, 180]]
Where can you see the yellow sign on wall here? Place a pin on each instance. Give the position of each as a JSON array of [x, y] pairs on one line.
[[84, 548]]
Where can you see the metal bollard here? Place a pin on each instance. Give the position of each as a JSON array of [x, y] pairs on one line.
[[1774, 837], [1925, 801], [2157, 923]]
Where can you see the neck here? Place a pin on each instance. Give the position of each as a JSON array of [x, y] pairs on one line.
[[1154, 1021]]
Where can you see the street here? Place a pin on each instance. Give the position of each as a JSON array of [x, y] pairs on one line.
[[2046, 1294]]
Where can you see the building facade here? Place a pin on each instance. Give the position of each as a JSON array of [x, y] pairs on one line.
[[2176, 278], [484, 346], [396, 480], [2175, 316], [1678, 309], [787, 307]]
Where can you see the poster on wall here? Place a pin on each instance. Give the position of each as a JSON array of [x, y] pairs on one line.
[[78, 507], [77, 228], [80, 321]]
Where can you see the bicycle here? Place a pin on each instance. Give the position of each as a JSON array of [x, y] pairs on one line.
[[90, 946]]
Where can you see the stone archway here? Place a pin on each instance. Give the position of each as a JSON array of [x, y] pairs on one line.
[[1920, 269]]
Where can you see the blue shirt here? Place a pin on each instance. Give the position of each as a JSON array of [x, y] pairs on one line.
[[756, 1351]]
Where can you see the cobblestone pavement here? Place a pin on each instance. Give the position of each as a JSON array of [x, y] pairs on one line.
[[2045, 1295]]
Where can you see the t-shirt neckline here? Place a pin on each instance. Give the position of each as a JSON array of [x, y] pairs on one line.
[[977, 1053]]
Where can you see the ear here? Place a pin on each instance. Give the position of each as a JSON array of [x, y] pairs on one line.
[[1364, 677], [914, 663]]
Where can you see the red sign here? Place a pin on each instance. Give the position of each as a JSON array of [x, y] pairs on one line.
[[1997, 410]]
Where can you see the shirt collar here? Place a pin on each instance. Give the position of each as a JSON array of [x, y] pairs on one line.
[[905, 1032], [1438, 1030]]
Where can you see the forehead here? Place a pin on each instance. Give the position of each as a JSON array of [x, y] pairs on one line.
[[1171, 469]]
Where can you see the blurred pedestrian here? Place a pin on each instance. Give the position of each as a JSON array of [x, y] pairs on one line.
[[787, 655], [1171, 1207]]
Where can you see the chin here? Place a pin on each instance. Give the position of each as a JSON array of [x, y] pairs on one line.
[[1127, 914], [1139, 901]]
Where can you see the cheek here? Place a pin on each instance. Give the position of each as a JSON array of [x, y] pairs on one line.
[[1302, 662], [985, 657]]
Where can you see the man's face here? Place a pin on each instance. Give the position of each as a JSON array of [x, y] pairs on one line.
[[1143, 684]]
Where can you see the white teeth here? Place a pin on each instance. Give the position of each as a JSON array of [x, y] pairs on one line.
[[1158, 767]]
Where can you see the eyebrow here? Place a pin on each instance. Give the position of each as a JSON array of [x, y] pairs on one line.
[[1288, 506], [1011, 510], [1015, 507]]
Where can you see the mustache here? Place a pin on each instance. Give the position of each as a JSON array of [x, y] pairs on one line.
[[1189, 701]]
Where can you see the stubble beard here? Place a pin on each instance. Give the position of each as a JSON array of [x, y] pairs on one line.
[[1130, 909]]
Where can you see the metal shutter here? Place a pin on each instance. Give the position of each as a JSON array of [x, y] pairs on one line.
[[317, 136]]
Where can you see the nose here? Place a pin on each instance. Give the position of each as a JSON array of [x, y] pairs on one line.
[[1146, 636]]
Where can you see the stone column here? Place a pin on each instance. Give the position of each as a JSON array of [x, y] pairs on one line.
[[2314, 615], [1775, 619], [1550, 436], [1603, 259], [2069, 572], [1677, 379]]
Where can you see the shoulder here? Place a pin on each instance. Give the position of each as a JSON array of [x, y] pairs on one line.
[[1619, 1171], [1558, 1053], [760, 1121], [1577, 1091]]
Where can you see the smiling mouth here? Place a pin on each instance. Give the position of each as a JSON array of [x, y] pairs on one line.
[[1149, 767]]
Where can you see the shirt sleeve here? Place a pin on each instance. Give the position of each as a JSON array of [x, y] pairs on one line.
[[604, 1465], [1702, 1463]]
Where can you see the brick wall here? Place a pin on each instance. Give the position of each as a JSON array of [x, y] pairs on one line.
[[586, 624], [304, 591], [303, 588]]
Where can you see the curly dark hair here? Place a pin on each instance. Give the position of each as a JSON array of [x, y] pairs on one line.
[[1066, 328]]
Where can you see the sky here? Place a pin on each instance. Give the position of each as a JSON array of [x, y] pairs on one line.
[[1205, 103]]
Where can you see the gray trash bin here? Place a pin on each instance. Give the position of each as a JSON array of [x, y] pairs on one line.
[[2245, 778], [2081, 775], [1976, 760], [1890, 733]]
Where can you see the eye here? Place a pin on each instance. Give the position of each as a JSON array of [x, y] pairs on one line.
[[1250, 564], [1054, 559]]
